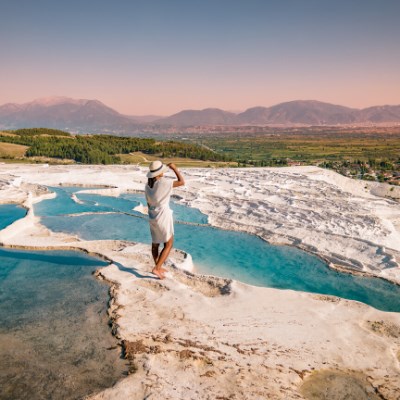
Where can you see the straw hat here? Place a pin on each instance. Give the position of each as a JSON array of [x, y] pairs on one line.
[[156, 168]]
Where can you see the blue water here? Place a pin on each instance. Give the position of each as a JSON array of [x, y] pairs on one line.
[[9, 213], [64, 204], [53, 333], [224, 253]]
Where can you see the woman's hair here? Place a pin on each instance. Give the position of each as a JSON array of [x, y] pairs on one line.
[[151, 181]]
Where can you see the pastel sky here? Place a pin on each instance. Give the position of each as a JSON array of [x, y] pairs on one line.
[[162, 56]]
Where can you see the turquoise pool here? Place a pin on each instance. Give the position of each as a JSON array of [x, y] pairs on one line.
[[55, 342], [214, 251], [9, 213]]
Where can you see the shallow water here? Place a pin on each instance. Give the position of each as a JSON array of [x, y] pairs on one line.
[[64, 204], [9, 213], [224, 253], [54, 337]]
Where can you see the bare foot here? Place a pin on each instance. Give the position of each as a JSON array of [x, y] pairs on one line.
[[158, 272]]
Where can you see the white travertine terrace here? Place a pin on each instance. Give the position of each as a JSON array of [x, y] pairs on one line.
[[197, 337]]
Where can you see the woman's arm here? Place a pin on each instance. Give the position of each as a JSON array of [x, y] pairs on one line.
[[180, 181]]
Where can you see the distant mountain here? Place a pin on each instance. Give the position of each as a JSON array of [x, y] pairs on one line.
[[92, 116], [208, 116], [381, 114], [65, 113], [255, 116], [304, 112], [308, 112]]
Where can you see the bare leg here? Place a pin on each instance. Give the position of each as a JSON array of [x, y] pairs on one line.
[[154, 251], [158, 270], [165, 253]]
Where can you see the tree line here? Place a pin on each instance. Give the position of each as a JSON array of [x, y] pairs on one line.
[[102, 149]]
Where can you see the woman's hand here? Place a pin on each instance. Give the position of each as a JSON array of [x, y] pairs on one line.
[[180, 181], [172, 166]]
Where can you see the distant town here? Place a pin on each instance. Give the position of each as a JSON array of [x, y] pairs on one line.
[[372, 170]]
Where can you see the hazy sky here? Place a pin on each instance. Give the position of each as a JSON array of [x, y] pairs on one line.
[[161, 56]]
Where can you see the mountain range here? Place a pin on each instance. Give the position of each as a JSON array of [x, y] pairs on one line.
[[303, 112], [92, 116], [65, 113]]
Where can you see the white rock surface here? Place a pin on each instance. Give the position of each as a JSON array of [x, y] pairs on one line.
[[196, 337]]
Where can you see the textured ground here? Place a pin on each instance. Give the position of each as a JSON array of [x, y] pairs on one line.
[[196, 337]]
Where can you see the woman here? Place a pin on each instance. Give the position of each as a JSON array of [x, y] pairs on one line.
[[158, 192]]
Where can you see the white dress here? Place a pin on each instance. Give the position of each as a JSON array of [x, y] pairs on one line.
[[160, 215]]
